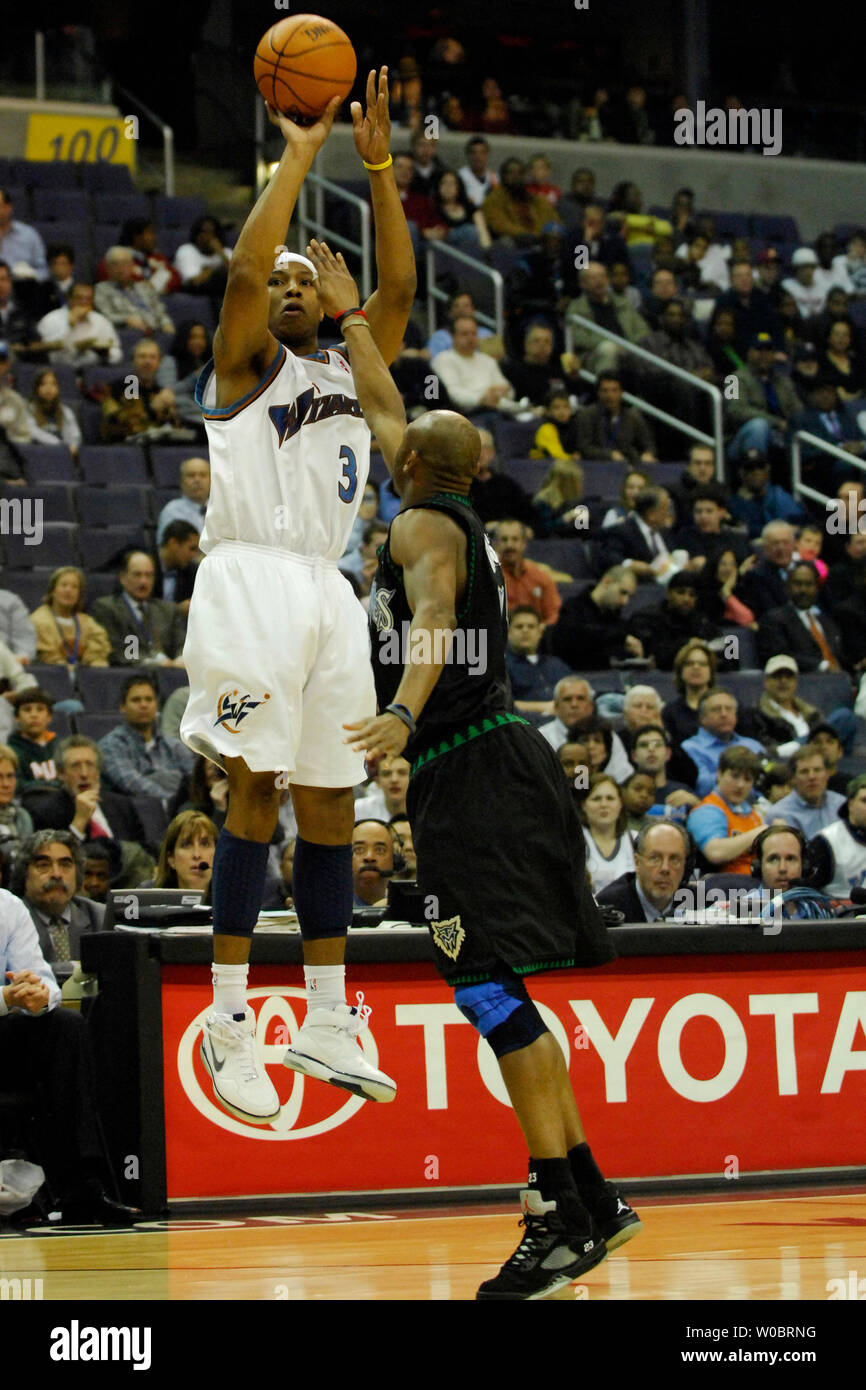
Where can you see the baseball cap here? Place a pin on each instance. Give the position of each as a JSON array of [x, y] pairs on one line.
[[753, 458], [805, 352], [771, 254], [763, 341], [781, 663], [804, 255]]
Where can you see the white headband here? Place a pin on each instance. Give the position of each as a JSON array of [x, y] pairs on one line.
[[285, 259]]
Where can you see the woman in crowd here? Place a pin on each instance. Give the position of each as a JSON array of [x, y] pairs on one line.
[[719, 582], [186, 854], [51, 422], [556, 504], [65, 635], [15, 822], [609, 851], [632, 483], [208, 791], [190, 352], [841, 364], [694, 672], [455, 219], [720, 344]]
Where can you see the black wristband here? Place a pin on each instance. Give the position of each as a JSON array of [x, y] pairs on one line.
[[405, 715], [344, 313]]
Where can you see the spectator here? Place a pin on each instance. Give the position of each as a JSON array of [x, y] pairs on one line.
[[176, 564], [717, 717], [682, 212], [478, 179], [495, 495], [805, 369], [592, 622], [101, 870], [660, 629], [48, 876], [662, 853], [694, 672], [603, 240], [778, 855], [611, 430], [720, 587], [706, 535], [495, 119], [556, 504], [140, 628], [609, 850], [189, 354], [557, 437], [16, 630], [810, 543], [621, 284], [540, 371], [150, 265], [533, 674], [639, 228], [65, 635], [809, 295], [417, 207], [766, 584], [512, 212], [401, 829], [633, 483], [574, 709], [47, 1049], [721, 345], [753, 312], [202, 262], [14, 424], [842, 581], [186, 854], [851, 619], [460, 305], [525, 582], [580, 193], [768, 275], [757, 416], [473, 379], [16, 322], [826, 737], [539, 182], [757, 501], [799, 628], [672, 343], [48, 419], [663, 288], [839, 851], [841, 365], [454, 218], [836, 425], [811, 806], [700, 471], [20, 244], [33, 741], [642, 705], [191, 506], [372, 862], [775, 780], [596, 302], [388, 797], [708, 257], [651, 754], [638, 794], [724, 824], [208, 790], [127, 301], [54, 292], [428, 165], [15, 822], [136, 759], [76, 335], [641, 541], [538, 286], [150, 408], [850, 267]]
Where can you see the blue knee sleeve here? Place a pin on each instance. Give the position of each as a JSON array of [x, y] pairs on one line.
[[502, 1012], [322, 889], [238, 884]]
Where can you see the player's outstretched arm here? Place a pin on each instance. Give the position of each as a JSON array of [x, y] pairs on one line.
[[379, 398], [390, 304], [243, 343]]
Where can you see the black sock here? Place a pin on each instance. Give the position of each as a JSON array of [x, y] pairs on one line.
[[585, 1171], [551, 1177]]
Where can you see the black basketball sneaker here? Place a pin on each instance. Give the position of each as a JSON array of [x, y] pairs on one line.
[[613, 1216], [560, 1243]]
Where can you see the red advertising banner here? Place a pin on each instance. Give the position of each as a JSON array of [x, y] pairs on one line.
[[690, 1065]]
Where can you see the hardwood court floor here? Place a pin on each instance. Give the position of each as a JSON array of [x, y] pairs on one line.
[[754, 1248]]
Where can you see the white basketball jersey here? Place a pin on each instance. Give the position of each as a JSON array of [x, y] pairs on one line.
[[289, 461], [849, 860]]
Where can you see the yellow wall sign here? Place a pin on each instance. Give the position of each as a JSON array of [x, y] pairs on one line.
[[82, 139]]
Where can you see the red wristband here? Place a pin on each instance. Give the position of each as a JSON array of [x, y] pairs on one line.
[[345, 312]]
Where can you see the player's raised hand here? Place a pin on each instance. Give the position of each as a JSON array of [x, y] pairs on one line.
[[373, 130], [303, 139], [337, 289], [377, 737]]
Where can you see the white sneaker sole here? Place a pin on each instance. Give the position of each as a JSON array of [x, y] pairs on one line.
[[227, 1105], [361, 1086]]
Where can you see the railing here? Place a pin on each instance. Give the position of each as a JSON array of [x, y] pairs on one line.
[[434, 293], [317, 223], [715, 440], [167, 135], [802, 489]]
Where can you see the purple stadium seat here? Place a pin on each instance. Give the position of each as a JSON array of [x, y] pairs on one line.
[[96, 726], [60, 204], [29, 585], [529, 473], [105, 177], [89, 416], [55, 500], [25, 373], [178, 212], [119, 207], [171, 678], [58, 546], [20, 196], [103, 235], [45, 173], [100, 687], [55, 679], [104, 465], [77, 235], [47, 463], [603, 477], [127, 507], [181, 307], [561, 554], [165, 462], [514, 438], [107, 544]]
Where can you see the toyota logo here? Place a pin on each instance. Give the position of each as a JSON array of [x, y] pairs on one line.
[[276, 1005]]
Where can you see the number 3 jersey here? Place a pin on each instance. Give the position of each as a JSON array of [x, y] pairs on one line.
[[290, 460], [474, 683]]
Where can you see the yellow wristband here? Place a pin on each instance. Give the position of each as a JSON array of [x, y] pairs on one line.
[[389, 161]]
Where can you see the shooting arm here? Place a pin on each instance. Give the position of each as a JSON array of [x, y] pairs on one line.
[[389, 305], [380, 400]]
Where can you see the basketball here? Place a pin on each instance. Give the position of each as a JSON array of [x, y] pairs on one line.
[[301, 63]]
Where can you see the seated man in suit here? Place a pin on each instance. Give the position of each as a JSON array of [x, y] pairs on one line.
[[611, 430], [642, 542], [833, 422], [765, 584], [800, 628], [48, 874], [661, 853], [592, 622], [177, 564], [92, 813], [43, 1045], [140, 627]]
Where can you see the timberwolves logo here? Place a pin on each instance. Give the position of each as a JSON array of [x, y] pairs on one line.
[[233, 708], [380, 611], [448, 936]]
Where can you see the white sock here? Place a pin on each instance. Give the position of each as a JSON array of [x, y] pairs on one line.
[[229, 988], [325, 986]]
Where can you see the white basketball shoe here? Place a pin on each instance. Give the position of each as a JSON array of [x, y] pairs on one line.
[[240, 1081], [327, 1049]]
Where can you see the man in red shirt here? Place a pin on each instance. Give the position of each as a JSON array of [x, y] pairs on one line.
[[525, 582]]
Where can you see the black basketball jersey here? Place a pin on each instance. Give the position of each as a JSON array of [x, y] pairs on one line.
[[474, 682]]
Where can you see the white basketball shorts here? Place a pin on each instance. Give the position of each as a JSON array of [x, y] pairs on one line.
[[279, 660]]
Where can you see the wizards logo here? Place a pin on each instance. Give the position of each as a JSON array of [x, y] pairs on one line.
[[233, 708]]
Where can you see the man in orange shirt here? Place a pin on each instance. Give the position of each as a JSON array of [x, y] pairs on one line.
[[525, 582], [725, 825]]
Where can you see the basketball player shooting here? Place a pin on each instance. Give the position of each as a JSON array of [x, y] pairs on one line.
[[277, 649], [501, 912]]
